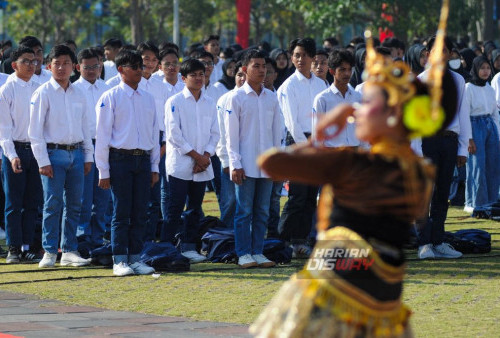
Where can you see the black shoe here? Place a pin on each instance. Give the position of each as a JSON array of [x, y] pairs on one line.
[[14, 255], [481, 214], [3, 253], [31, 256]]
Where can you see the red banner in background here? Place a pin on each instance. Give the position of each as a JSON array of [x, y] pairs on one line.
[[243, 8]]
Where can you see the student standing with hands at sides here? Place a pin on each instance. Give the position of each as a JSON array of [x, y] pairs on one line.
[[21, 179], [253, 125], [192, 135], [127, 156], [62, 145]]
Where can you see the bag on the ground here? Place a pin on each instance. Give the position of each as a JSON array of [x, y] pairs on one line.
[[102, 255], [469, 241], [164, 256], [218, 244], [277, 251]]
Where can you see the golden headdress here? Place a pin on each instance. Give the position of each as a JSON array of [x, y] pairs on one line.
[[422, 114]]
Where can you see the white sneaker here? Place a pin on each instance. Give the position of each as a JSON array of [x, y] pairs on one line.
[[73, 258], [262, 261], [48, 260], [122, 269], [247, 261], [2, 234], [426, 251], [445, 250], [468, 209], [141, 268], [194, 257]]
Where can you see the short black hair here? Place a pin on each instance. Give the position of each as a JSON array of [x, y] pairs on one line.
[[30, 41], [203, 54], [252, 54], [383, 51], [149, 45], [168, 45], [209, 38], [308, 44], [272, 63], [98, 50], [237, 66], [17, 52], [60, 50], [332, 40], [113, 43], [168, 51], [447, 42], [70, 42], [190, 66], [127, 46], [6, 43], [355, 40], [86, 54], [321, 51], [128, 57], [338, 56], [228, 52]]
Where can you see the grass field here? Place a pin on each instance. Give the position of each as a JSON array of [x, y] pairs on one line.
[[450, 298]]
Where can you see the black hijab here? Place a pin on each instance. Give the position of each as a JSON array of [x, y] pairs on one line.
[[476, 65], [414, 61], [359, 66], [284, 73], [468, 55], [227, 81], [494, 55]]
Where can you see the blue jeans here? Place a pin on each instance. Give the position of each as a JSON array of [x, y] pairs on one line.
[[252, 211], [216, 181], [189, 194], [483, 167], [442, 150], [23, 197], [164, 190], [130, 189], [274, 210], [227, 200], [457, 188], [65, 189], [94, 204], [153, 212]]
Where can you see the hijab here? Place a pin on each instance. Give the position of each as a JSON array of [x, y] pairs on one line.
[[359, 66], [284, 73], [495, 54], [414, 60], [226, 80], [476, 65], [468, 55]]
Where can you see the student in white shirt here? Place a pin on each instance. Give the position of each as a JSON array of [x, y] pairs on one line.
[[227, 194], [212, 45], [253, 124], [483, 164], [92, 225], [127, 156], [296, 96], [340, 63], [111, 48], [62, 145], [21, 179], [193, 133], [41, 75]]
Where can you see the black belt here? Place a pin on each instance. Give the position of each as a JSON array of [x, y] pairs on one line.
[[134, 152], [22, 145], [449, 133], [67, 147]]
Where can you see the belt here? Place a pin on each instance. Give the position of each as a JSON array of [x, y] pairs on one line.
[[67, 147], [134, 152], [22, 145], [449, 133]]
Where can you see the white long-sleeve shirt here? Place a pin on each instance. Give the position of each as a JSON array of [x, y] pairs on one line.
[[460, 123], [221, 149], [92, 93], [174, 89], [3, 78], [110, 69], [15, 98], [45, 76], [58, 116], [217, 72], [190, 125], [482, 101], [159, 90], [126, 119], [114, 81], [296, 96], [329, 99], [213, 92], [253, 125]]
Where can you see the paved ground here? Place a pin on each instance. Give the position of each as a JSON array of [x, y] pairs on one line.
[[28, 316]]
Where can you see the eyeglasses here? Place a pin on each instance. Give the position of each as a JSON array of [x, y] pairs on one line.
[[27, 62], [94, 67], [207, 63], [135, 67], [171, 64]]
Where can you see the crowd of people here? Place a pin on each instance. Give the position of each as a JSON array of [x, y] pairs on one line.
[[120, 142]]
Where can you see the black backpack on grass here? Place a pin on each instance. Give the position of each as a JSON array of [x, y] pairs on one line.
[[164, 256], [469, 241]]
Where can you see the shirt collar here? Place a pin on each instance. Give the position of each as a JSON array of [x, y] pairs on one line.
[[86, 84], [128, 90], [187, 94], [336, 91], [246, 87], [21, 82], [301, 77], [56, 85]]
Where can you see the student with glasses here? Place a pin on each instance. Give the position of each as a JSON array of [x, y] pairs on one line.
[[21, 180], [127, 156]]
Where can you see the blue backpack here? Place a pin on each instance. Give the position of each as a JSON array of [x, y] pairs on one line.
[[218, 243], [469, 241], [164, 256]]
